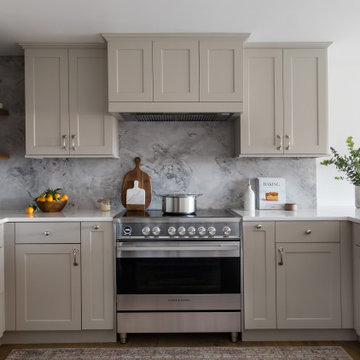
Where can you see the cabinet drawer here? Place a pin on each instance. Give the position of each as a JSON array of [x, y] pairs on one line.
[[308, 231], [47, 233]]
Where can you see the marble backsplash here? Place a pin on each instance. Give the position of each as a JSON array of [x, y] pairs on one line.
[[187, 157]]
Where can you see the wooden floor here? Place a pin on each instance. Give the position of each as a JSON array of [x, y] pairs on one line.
[[140, 340]]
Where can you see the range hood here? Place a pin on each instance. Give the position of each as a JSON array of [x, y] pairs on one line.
[[175, 77], [178, 116]]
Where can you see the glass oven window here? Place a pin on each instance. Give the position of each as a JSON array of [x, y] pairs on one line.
[[178, 275]]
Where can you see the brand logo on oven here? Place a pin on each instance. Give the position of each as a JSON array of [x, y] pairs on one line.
[[178, 299]]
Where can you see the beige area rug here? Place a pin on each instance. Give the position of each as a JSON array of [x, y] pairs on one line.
[[186, 353]]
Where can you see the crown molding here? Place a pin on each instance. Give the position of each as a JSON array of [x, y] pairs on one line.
[[288, 45], [59, 45], [243, 36]]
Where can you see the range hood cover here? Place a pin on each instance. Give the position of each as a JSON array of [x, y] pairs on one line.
[[176, 116]]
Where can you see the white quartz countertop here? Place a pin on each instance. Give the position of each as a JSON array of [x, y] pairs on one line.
[[62, 216], [328, 213]]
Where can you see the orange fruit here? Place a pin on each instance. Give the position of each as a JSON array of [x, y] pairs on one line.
[[29, 210], [41, 199], [57, 196], [49, 198], [64, 197]]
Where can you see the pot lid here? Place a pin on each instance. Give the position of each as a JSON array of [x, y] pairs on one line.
[[181, 195]]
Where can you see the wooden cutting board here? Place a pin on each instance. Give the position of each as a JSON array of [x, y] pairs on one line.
[[144, 183]]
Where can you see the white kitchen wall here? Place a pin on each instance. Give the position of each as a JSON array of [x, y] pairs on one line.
[[344, 119]]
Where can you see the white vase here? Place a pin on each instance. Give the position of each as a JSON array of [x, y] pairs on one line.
[[357, 196]]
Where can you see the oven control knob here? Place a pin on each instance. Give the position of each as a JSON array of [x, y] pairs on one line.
[[181, 231], [211, 231], [156, 231], [146, 231], [127, 230], [191, 231], [171, 231], [201, 231], [226, 230]]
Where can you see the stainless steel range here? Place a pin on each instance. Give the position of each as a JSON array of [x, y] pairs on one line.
[[178, 273]]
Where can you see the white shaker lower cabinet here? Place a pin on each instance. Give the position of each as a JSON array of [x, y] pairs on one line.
[[48, 287], [2, 282], [292, 275], [97, 275], [357, 288], [259, 276], [308, 285], [356, 278]]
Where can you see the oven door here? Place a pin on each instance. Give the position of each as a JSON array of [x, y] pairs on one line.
[[178, 275]]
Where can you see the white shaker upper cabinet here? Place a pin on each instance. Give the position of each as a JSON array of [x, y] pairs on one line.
[[262, 120], [176, 70], [221, 70], [92, 130], [46, 93], [130, 70], [305, 101]]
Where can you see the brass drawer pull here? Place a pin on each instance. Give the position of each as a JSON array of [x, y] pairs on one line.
[[75, 251], [281, 253]]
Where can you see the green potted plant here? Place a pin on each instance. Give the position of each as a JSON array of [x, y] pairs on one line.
[[348, 165]]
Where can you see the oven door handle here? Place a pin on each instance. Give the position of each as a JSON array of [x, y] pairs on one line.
[[178, 248]]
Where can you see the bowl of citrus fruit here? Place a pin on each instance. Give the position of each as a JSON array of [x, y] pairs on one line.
[[51, 200]]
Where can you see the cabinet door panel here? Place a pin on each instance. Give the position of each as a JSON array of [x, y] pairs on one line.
[[305, 101], [357, 289], [308, 286], [176, 70], [356, 275], [48, 289], [221, 70], [46, 92], [2, 282], [259, 276], [9, 263], [262, 120], [91, 127], [130, 70], [97, 275]]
